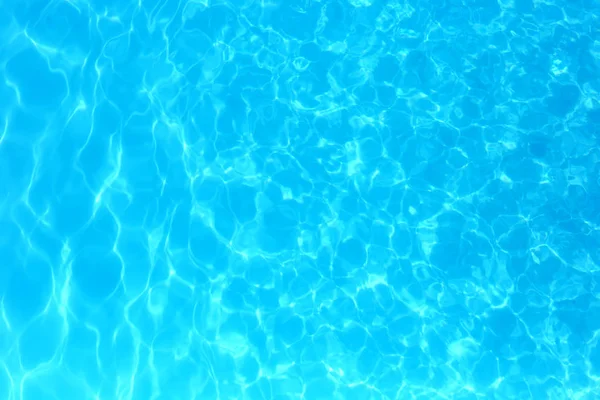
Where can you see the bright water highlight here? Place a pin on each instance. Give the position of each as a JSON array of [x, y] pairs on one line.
[[338, 199]]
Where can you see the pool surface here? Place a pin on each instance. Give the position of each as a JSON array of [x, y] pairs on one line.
[[285, 199]]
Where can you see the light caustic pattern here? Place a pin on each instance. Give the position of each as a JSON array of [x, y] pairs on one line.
[[345, 199]]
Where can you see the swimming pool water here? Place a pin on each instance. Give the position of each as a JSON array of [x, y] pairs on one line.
[[299, 199]]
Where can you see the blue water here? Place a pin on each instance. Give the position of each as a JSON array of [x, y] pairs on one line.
[[340, 199]]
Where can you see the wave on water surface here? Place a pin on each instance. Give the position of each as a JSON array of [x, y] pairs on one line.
[[337, 199]]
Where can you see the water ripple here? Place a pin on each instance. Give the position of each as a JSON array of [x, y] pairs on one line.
[[304, 199]]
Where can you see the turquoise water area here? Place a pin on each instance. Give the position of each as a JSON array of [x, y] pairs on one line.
[[299, 199]]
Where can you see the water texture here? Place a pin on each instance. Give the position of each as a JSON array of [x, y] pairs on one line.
[[340, 199]]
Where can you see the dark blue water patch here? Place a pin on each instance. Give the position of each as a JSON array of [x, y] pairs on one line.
[[102, 230], [212, 21], [387, 377], [26, 124], [381, 232], [135, 249], [293, 178], [525, 86], [593, 117], [242, 201], [8, 97], [97, 155], [203, 242], [424, 106], [366, 95], [575, 321], [401, 240], [249, 368], [446, 134], [266, 124], [544, 272], [123, 92], [251, 79], [470, 108], [533, 120], [438, 349], [400, 277], [563, 100], [538, 146], [282, 216], [587, 69], [591, 212], [412, 152], [352, 337], [320, 389], [578, 376], [288, 327], [566, 40], [541, 365], [576, 197], [437, 172], [97, 273], [238, 324], [124, 345], [450, 225], [237, 295], [312, 52], [419, 375], [268, 299], [404, 326], [500, 202], [338, 16], [232, 114], [73, 208], [27, 12], [425, 73], [387, 70], [371, 149], [349, 73], [417, 204], [548, 13], [456, 160], [386, 95], [300, 286], [502, 322], [519, 167], [351, 205], [296, 21], [535, 318], [28, 288], [49, 385], [343, 309], [400, 128], [448, 256], [524, 6], [307, 87], [5, 382], [595, 359], [194, 73], [484, 11], [80, 352], [504, 224], [122, 51], [206, 189], [263, 389], [228, 142], [225, 223], [486, 369]]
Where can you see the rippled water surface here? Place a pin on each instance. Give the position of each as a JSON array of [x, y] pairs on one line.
[[299, 199]]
